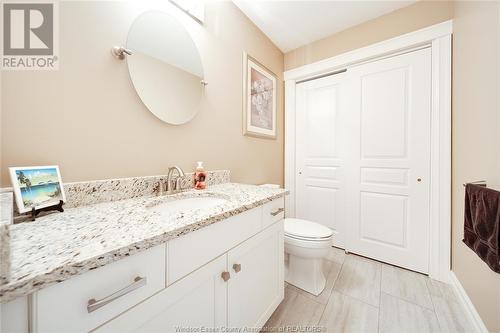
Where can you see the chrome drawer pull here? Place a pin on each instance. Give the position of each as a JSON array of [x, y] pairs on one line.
[[279, 210], [94, 304]]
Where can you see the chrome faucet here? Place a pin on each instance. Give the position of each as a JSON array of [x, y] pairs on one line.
[[174, 185]]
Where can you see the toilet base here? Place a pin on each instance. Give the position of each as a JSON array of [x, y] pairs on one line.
[[306, 274]]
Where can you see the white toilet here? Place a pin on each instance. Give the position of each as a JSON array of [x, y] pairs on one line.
[[306, 244]]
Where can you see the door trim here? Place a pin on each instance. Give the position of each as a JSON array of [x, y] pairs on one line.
[[438, 37]]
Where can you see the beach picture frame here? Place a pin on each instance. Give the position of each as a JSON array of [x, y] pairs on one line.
[[259, 99], [36, 187]]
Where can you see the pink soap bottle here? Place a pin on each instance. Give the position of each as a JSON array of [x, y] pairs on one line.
[[199, 177]]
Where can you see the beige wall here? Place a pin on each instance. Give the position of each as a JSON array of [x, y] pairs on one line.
[[401, 21], [476, 139], [88, 119]]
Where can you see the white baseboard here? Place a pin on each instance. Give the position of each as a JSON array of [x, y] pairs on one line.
[[467, 304]]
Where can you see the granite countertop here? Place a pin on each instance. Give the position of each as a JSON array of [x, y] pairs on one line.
[[6, 218], [61, 245], [6, 208]]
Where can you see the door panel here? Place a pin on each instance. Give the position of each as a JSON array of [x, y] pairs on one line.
[[319, 203], [320, 151], [384, 109], [391, 102], [384, 218], [393, 176]]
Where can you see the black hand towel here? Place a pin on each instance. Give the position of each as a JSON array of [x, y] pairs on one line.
[[482, 223]]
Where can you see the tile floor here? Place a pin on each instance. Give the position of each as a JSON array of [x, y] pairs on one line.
[[364, 295]]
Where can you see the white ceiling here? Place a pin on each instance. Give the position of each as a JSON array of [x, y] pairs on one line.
[[291, 24]]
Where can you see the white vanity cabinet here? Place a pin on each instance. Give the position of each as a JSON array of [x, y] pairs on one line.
[[241, 288], [198, 300], [228, 274]]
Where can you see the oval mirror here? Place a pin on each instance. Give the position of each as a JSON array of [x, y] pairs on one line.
[[165, 67]]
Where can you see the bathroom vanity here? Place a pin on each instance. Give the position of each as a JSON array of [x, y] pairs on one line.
[[211, 258]]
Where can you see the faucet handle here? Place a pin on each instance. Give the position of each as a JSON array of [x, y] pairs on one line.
[[159, 188]]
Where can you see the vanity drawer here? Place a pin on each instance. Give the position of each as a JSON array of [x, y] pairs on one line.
[[273, 212], [191, 251], [64, 306]]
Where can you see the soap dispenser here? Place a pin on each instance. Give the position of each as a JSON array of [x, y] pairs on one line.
[[199, 177]]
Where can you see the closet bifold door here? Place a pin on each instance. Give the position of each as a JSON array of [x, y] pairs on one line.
[[320, 149], [389, 173]]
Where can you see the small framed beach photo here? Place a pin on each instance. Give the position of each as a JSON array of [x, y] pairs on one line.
[[259, 99], [36, 187]]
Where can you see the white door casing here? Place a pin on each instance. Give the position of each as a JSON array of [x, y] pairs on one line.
[[438, 38], [320, 144], [388, 205]]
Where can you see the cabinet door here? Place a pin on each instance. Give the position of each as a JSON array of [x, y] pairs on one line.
[[14, 316], [198, 300], [256, 285]]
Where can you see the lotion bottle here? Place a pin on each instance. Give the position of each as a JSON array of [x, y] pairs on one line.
[[199, 177]]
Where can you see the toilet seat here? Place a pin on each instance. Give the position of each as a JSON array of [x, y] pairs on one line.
[[308, 243], [308, 238], [308, 231]]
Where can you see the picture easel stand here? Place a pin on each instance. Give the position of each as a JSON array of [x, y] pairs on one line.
[[58, 207]]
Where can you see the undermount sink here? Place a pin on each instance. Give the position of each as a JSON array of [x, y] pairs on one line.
[[184, 204]]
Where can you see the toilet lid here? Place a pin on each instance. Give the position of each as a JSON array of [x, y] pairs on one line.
[[306, 229]]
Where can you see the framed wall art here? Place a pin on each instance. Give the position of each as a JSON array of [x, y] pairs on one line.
[[259, 102]]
